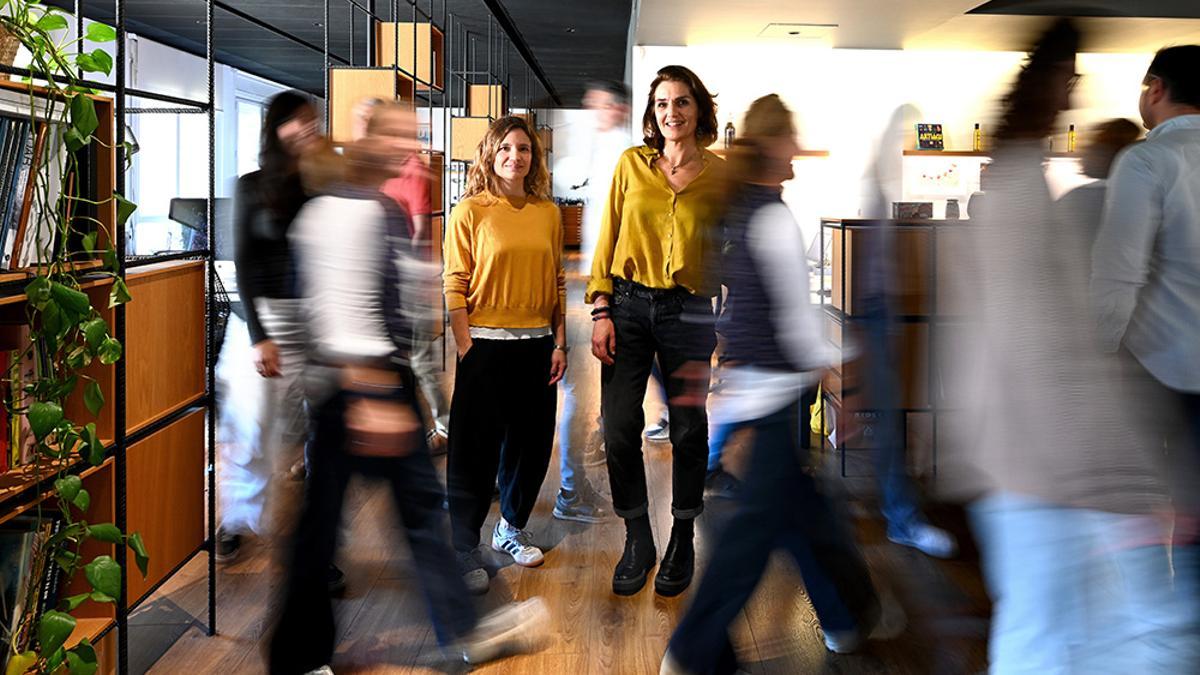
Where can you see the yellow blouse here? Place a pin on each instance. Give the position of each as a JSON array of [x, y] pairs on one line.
[[651, 234]]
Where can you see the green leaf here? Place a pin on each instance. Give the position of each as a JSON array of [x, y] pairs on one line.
[[54, 629], [93, 398], [38, 292], [83, 115], [103, 61], [79, 358], [56, 660], [94, 331], [21, 663], [98, 32], [68, 487], [93, 448], [68, 561], [110, 351], [73, 301], [74, 140], [82, 660], [106, 532], [119, 294], [110, 259], [54, 323], [141, 557], [82, 501], [97, 596], [64, 388], [125, 208], [51, 21], [104, 574], [75, 601], [89, 242], [44, 416]]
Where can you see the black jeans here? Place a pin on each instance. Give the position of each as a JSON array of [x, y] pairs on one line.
[[677, 327], [304, 637], [779, 506], [501, 417]]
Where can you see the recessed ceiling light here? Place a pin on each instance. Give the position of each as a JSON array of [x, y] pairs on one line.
[[798, 31], [570, 30]]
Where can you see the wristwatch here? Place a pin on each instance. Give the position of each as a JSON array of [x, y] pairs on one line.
[[561, 348]]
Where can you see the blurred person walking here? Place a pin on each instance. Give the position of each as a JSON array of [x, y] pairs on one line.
[[1083, 207], [258, 494], [774, 354], [652, 297], [579, 445], [505, 288], [1070, 505], [1146, 261], [365, 421]]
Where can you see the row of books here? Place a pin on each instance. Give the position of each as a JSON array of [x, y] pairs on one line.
[[27, 206], [24, 558], [17, 368]]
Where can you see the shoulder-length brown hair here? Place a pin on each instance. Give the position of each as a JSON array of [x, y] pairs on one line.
[[706, 121], [482, 175]]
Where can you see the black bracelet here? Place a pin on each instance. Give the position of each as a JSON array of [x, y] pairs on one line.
[[601, 316], [601, 310]]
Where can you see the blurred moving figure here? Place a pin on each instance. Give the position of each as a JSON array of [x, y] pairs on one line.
[[365, 421], [881, 386], [579, 445], [1071, 509], [1146, 264], [505, 288], [255, 478], [397, 125], [775, 353], [652, 300], [1084, 206]]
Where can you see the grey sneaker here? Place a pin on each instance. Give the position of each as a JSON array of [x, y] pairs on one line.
[[659, 431], [516, 628], [583, 506], [930, 540], [473, 574], [228, 546]]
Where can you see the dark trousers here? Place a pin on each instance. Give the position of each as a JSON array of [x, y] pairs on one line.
[[779, 507], [676, 327], [304, 637], [501, 417]]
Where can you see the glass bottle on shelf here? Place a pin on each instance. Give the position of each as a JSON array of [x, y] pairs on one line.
[[952, 212], [730, 132], [977, 139], [1071, 139]]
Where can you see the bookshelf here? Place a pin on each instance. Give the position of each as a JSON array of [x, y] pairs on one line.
[[348, 86], [428, 42]]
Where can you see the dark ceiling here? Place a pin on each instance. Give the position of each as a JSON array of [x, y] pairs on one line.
[[1153, 9], [571, 43]]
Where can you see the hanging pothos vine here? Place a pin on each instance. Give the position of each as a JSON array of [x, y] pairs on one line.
[[66, 332]]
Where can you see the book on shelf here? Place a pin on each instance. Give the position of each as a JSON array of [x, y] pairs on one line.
[[24, 558]]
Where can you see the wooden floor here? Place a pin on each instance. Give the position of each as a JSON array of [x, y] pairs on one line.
[[383, 629]]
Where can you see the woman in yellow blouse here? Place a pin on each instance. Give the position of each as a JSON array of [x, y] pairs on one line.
[[505, 288], [652, 298]]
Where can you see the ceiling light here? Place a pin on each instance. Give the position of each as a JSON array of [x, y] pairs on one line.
[[798, 31]]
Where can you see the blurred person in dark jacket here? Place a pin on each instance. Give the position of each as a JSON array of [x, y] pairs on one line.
[[1069, 491], [1083, 206], [365, 421], [774, 354]]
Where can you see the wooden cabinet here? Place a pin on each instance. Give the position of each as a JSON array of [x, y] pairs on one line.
[[425, 39], [348, 87], [572, 223], [487, 100], [435, 163]]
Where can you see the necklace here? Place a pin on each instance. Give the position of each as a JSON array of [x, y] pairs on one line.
[[676, 167]]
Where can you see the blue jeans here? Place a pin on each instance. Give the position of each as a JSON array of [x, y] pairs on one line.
[[1083, 591], [779, 507]]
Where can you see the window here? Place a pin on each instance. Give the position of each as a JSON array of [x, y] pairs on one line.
[[249, 123], [172, 161]]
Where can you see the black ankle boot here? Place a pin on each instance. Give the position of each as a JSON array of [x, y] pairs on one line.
[[635, 564], [675, 572]]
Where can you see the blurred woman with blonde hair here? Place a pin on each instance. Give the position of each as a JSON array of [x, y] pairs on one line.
[[505, 289]]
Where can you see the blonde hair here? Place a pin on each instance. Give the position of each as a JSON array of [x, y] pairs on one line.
[[482, 175], [767, 119], [321, 168]]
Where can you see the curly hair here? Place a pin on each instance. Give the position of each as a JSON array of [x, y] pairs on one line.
[[482, 176], [706, 123], [1032, 105]]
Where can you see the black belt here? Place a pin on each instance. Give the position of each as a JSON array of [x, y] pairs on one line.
[[634, 289]]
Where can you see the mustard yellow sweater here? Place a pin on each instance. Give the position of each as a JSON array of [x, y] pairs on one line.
[[503, 263]]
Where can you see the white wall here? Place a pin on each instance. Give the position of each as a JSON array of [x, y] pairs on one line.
[[843, 99]]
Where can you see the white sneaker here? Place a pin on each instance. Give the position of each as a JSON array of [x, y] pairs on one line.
[[520, 627], [517, 543], [659, 431], [887, 623], [323, 670], [930, 540]]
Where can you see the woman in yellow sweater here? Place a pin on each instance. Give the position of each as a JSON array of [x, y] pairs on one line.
[[653, 300], [505, 289]]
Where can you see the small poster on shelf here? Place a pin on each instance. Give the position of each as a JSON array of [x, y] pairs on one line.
[[929, 137]]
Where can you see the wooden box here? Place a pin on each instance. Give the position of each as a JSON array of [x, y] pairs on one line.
[[350, 86], [487, 100], [430, 45], [465, 135]]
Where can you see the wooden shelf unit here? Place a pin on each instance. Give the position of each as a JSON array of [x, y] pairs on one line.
[[349, 86], [466, 133], [572, 223], [973, 153], [487, 100], [430, 46]]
